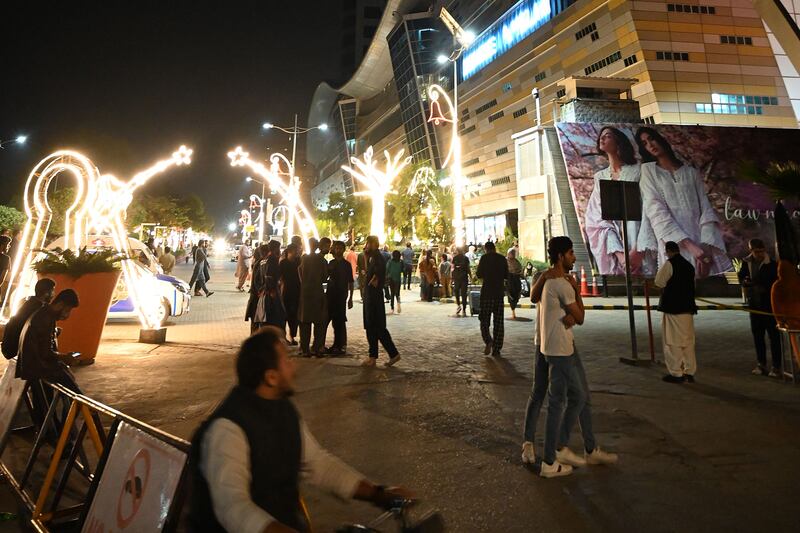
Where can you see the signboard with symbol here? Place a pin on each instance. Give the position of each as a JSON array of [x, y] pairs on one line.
[[138, 484]]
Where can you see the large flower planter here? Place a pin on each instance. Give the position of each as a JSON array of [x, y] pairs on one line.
[[81, 332]]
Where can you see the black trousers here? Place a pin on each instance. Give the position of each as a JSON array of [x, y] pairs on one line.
[[407, 276], [460, 288], [762, 325], [394, 291], [319, 337], [374, 336], [339, 332]]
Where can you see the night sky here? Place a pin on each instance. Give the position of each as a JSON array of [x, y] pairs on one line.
[[128, 82]]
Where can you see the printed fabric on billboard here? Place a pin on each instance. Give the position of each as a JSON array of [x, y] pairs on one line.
[[689, 188]]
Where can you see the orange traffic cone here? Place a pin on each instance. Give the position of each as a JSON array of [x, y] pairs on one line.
[[584, 283], [595, 289]]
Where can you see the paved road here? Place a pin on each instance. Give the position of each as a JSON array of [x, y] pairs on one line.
[[717, 455]]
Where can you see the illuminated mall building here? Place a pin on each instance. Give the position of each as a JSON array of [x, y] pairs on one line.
[[708, 62]]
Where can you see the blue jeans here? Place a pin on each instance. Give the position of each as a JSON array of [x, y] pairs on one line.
[[567, 385], [538, 395]]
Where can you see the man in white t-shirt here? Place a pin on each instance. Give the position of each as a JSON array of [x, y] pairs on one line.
[[559, 309]]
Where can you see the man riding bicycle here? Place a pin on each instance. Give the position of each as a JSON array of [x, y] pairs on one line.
[[249, 455]]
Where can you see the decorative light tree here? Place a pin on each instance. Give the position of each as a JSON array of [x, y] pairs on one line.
[[280, 166], [99, 208], [378, 184]]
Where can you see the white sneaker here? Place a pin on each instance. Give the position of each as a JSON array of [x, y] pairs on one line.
[[566, 456], [774, 373], [368, 362], [398, 308], [554, 470], [528, 453], [759, 371], [393, 360], [599, 457]]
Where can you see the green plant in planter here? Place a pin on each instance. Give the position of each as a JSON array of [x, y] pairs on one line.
[[67, 262]]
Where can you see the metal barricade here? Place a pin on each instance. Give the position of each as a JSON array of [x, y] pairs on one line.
[[73, 429]]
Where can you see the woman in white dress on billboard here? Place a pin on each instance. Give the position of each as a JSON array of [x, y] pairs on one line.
[[677, 205], [605, 236]]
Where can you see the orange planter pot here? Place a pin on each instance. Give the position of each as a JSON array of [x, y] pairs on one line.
[[82, 331]]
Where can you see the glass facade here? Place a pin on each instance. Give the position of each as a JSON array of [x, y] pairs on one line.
[[413, 46]]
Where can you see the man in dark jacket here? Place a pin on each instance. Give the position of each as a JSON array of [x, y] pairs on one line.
[[247, 458], [676, 278], [340, 285], [374, 305], [38, 356], [758, 273], [42, 294], [493, 270]]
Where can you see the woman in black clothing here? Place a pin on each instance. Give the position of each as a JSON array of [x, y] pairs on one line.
[[256, 287], [273, 304], [290, 288]]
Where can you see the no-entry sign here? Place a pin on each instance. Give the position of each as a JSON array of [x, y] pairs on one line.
[[138, 484]]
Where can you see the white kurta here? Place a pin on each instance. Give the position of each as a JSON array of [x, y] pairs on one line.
[[605, 236], [678, 208], [677, 332]]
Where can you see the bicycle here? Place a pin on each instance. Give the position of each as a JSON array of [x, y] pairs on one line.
[[431, 522]]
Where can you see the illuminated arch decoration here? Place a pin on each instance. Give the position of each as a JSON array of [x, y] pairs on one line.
[[289, 194], [378, 184], [99, 208]]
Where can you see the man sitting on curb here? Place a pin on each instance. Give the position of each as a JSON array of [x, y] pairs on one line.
[[42, 294]]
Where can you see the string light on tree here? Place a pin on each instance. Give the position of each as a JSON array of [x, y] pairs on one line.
[[378, 184]]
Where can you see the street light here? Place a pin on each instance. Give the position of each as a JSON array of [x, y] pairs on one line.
[[464, 39], [231, 226], [19, 139], [294, 182]]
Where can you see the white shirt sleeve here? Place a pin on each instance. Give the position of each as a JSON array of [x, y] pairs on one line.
[[566, 294], [225, 463], [326, 471], [663, 275]]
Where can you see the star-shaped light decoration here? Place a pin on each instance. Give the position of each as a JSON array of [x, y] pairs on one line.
[[238, 157], [183, 156]]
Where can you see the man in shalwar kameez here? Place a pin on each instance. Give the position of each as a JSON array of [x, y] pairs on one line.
[[676, 278]]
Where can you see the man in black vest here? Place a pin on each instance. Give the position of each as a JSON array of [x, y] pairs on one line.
[[757, 275], [676, 278], [493, 269], [247, 457]]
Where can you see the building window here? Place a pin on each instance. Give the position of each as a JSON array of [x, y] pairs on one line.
[[735, 39], [501, 151], [672, 56], [477, 173], [630, 60], [506, 87], [649, 120], [495, 116], [613, 58], [587, 30], [540, 76], [470, 162], [486, 106], [736, 104], [468, 130], [595, 36], [685, 8], [561, 93], [519, 112], [501, 181]]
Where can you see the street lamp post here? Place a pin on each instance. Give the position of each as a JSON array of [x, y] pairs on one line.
[[294, 181]]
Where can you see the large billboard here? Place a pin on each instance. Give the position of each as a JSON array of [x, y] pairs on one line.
[[689, 188]]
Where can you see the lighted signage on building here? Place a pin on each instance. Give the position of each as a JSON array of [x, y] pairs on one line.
[[516, 24]]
